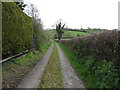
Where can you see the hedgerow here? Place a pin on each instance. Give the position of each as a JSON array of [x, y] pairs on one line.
[[16, 30], [104, 45], [96, 58]]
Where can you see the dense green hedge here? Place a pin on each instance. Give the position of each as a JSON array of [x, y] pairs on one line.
[[16, 29]]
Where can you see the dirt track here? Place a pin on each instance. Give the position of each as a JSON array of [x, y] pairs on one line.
[[70, 79], [32, 80]]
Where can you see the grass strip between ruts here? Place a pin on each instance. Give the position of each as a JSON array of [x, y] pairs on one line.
[[52, 77]]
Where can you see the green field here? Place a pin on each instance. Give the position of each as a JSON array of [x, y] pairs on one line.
[[69, 34], [75, 33]]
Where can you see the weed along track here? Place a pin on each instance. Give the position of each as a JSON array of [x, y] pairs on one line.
[[52, 77]]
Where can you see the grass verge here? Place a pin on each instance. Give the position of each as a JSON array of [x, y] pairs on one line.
[[52, 77], [15, 69]]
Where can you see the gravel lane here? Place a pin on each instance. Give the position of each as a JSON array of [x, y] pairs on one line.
[[70, 78]]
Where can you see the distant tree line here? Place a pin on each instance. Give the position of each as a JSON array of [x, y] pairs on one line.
[[82, 29]]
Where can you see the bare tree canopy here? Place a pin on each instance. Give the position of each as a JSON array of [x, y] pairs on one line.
[[21, 4]]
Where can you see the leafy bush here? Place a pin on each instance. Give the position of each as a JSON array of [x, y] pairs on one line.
[[16, 29]]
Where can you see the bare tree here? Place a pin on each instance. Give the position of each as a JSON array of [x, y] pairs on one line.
[[37, 25], [34, 12]]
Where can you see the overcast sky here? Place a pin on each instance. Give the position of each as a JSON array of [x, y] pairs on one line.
[[79, 13]]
